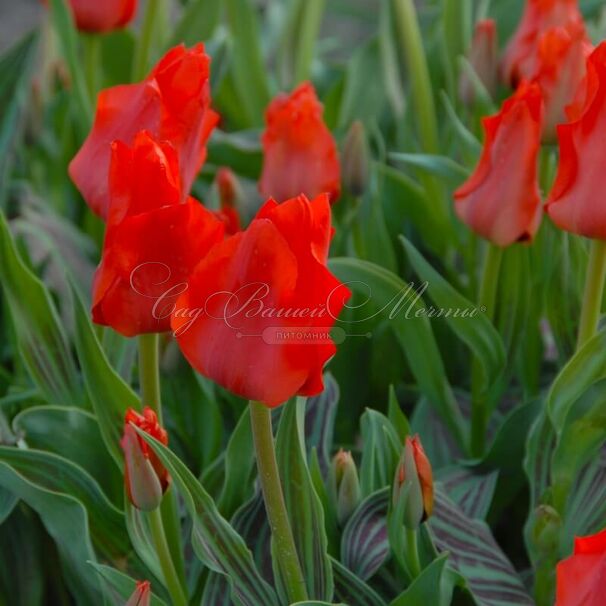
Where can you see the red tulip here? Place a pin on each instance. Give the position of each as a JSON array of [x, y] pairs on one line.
[[153, 240], [581, 578], [300, 152], [560, 68], [145, 478], [172, 103], [574, 203], [483, 57], [539, 17], [501, 201], [257, 314], [98, 17], [141, 596], [229, 196]]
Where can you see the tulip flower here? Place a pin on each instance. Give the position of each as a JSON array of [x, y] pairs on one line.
[[581, 578], [259, 308], [172, 103], [230, 194], [574, 202], [300, 153], [539, 16], [99, 17], [560, 68], [153, 240], [414, 483], [346, 485], [141, 596], [501, 200], [483, 58], [145, 478]]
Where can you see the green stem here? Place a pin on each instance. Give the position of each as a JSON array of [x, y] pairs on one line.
[[486, 300], [413, 552], [143, 49], [149, 380], [267, 467], [171, 580], [308, 28], [92, 54], [594, 290]]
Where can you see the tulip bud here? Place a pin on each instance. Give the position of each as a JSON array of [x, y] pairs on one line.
[[347, 485], [145, 478], [356, 160], [483, 58], [413, 483], [546, 528], [141, 596], [230, 196]]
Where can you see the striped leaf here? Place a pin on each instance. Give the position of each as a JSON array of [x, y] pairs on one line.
[[365, 544], [320, 414], [352, 590], [122, 586], [215, 542], [216, 591], [41, 340], [303, 504], [475, 554], [471, 491]]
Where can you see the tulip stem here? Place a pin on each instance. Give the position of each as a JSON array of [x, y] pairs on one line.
[[486, 300], [267, 468], [171, 580], [413, 552], [92, 52], [144, 45], [594, 290], [149, 382]]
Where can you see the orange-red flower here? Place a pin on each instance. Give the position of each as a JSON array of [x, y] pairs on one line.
[[574, 203], [141, 596], [581, 578], [153, 240], [172, 103], [519, 60], [145, 478], [501, 200], [300, 153], [560, 68], [257, 314], [98, 17]]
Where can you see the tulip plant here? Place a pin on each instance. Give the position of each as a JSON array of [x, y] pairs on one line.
[[300, 303]]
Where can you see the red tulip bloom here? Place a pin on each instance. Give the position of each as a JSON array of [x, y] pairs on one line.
[[539, 17], [581, 579], [141, 596], [574, 203], [153, 240], [229, 196], [257, 314], [501, 200], [99, 17], [145, 478], [172, 103], [300, 152], [560, 68]]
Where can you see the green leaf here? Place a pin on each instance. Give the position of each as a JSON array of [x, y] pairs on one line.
[[587, 366], [8, 501], [250, 74], [109, 394], [433, 586], [241, 151], [473, 328], [65, 519], [365, 545], [388, 292], [437, 166], [197, 22], [397, 417], [121, 584], [80, 441], [302, 503], [15, 72], [40, 337], [490, 576], [352, 590], [215, 542]]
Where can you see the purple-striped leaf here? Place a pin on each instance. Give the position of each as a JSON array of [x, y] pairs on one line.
[[471, 491]]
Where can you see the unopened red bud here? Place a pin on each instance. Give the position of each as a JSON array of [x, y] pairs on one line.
[[141, 596]]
